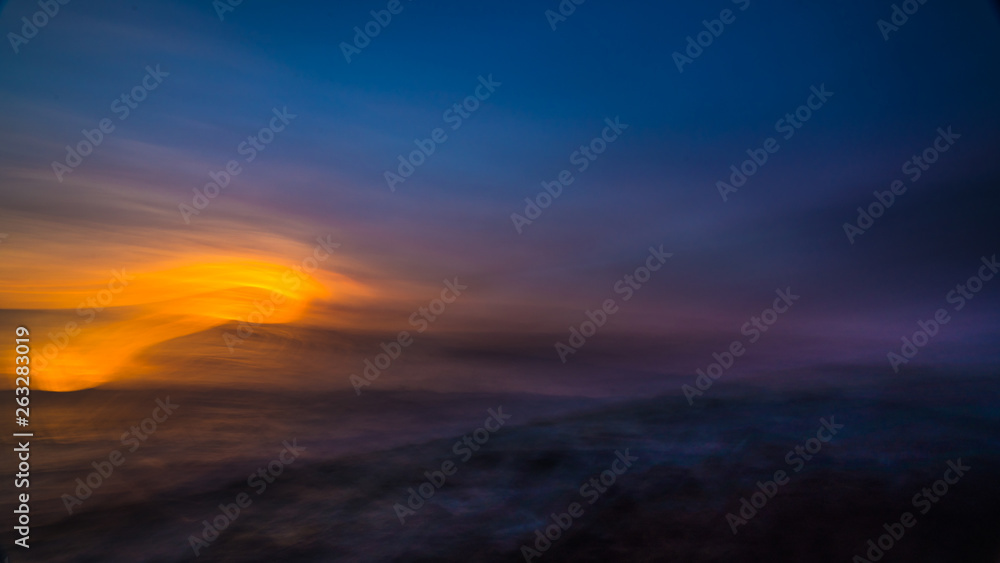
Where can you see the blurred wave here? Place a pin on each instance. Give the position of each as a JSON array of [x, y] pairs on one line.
[[336, 503]]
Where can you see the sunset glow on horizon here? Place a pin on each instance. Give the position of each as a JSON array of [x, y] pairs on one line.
[[113, 319]]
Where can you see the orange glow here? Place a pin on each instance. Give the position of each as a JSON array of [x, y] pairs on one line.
[[115, 322]]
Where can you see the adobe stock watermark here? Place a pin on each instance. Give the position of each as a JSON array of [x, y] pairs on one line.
[[31, 27], [259, 480], [250, 149], [363, 35], [122, 107], [925, 500], [626, 287], [88, 309], [958, 297], [697, 44], [455, 116], [753, 329], [591, 490], [292, 279], [103, 469], [222, 7], [566, 9], [787, 126], [463, 448], [899, 17], [796, 458], [421, 319], [914, 169], [582, 158]]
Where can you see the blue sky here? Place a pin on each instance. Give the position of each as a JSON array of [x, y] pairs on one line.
[[656, 184]]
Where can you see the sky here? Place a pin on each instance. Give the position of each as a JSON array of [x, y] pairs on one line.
[[214, 77]]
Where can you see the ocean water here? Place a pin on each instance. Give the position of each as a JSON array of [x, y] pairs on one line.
[[364, 457]]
